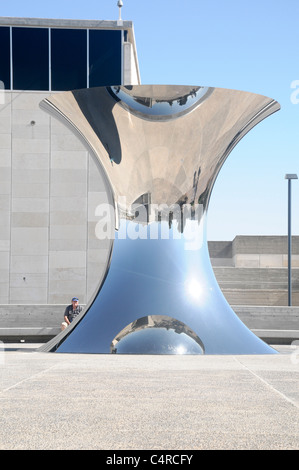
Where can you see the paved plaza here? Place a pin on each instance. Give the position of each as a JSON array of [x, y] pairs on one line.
[[114, 402]]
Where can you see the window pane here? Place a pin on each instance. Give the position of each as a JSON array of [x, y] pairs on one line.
[[105, 58], [30, 58], [69, 59], [4, 58]]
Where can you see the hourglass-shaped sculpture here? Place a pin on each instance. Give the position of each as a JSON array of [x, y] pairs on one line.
[[160, 149]]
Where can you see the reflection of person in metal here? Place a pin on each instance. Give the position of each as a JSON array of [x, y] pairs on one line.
[[71, 312]]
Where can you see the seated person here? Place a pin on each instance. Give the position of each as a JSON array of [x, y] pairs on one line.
[[71, 312]]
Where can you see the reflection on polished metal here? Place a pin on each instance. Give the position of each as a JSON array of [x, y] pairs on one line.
[[157, 334], [160, 149]]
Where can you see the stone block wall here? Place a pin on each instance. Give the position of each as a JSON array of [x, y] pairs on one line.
[[252, 270], [49, 188]]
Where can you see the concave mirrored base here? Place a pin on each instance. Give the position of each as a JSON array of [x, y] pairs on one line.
[[161, 298]]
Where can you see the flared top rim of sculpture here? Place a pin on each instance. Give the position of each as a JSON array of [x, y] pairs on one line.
[[169, 141]]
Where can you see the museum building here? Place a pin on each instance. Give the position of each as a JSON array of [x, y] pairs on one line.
[[50, 184]]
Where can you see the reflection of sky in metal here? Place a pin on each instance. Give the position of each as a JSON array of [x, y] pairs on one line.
[[172, 106]]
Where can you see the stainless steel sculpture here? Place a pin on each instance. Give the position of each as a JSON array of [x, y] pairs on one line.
[[161, 149]]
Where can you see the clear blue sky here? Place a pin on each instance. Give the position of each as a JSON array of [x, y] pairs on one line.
[[250, 46]]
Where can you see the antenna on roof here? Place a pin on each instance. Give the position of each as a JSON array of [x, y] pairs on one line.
[[119, 4]]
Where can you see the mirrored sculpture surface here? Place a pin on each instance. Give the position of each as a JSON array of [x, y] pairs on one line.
[[160, 148]]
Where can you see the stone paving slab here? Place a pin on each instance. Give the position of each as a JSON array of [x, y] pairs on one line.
[[113, 402]]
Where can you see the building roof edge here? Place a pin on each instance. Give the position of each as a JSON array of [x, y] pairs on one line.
[[65, 23]]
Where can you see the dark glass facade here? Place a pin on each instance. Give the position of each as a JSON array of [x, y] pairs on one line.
[[30, 58], [68, 59], [5, 57], [59, 59], [104, 58]]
